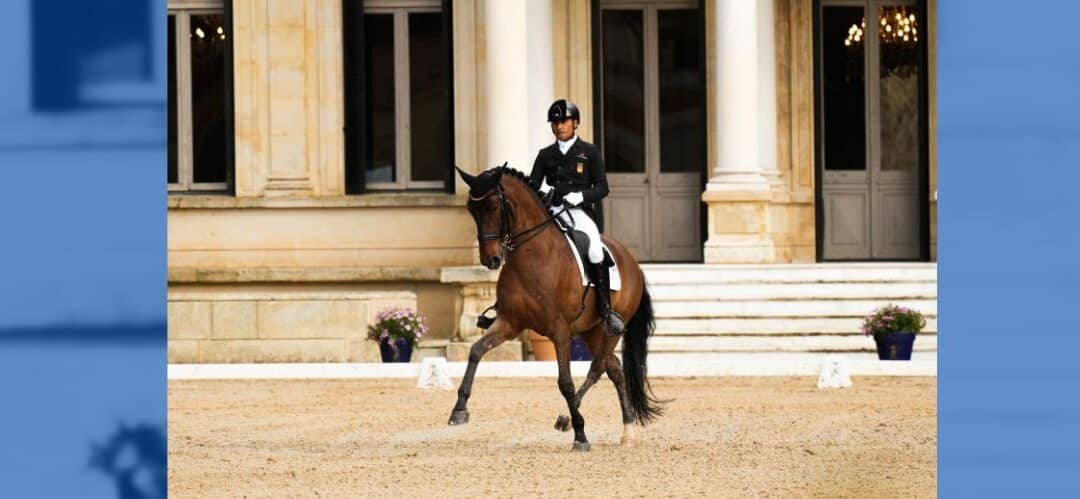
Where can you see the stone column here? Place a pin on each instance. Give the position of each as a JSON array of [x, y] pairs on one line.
[[540, 75], [767, 91], [738, 192], [507, 121]]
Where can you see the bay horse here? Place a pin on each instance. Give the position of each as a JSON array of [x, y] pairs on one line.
[[540, 288]]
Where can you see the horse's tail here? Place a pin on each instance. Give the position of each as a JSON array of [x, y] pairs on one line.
[[643, 405]]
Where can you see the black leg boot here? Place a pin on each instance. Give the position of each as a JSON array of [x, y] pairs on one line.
[[612, 321]]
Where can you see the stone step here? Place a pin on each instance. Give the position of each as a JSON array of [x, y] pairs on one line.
[[787, 308], [817, 273], [766, 326], [793, 291], [821, 343]]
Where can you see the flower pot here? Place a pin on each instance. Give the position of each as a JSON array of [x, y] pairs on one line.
[[895, 346], [400, 351], [542, 348], [579, 350]]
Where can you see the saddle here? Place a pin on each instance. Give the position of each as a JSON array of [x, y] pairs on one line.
[[580, 245]]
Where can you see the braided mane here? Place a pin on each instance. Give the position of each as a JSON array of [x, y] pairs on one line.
[[504, 170], [491, 174]]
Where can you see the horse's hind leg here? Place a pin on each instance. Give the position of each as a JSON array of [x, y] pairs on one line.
[[615, 374], [562, 423], [497, 334]]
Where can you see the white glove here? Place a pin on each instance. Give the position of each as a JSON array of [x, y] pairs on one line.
[[574, 198], [545, 188]]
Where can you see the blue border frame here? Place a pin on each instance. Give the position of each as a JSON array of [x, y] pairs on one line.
[[1008, 159]]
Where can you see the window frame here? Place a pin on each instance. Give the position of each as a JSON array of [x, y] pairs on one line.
[[181, 11], [400, 10], [652, 165]]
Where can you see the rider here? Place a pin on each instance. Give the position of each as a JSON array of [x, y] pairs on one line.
[[574, 170]]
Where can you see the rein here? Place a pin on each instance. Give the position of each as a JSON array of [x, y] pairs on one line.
[[508, 240]]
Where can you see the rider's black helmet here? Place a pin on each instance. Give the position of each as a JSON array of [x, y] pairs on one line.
[[563, 109]]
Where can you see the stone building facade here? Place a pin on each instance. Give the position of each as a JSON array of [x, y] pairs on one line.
[[312, 145]]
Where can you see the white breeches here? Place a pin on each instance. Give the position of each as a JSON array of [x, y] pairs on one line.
[[583, 223]]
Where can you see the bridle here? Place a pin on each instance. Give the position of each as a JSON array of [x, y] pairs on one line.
[[509, 241]]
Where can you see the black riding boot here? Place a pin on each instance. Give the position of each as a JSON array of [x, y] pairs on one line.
[[613, 323]]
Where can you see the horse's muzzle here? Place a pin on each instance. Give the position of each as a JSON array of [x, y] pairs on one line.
[[494, 263]]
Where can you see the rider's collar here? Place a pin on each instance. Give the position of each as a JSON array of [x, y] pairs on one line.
[[565, 146]]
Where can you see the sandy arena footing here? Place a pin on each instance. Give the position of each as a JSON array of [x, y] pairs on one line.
[[720, 437]]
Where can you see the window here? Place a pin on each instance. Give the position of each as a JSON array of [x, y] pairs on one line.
[[198, 48], [406, 102]]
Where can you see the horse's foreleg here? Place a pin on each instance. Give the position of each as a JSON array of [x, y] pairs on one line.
[[566, 387], [495, 336], [562, 423]]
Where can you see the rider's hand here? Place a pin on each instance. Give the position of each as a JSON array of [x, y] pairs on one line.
[[545, 188], [574, 198]]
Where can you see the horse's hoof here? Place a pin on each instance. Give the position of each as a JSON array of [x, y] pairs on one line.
[[562, 423], [458, 417], [581, 446]]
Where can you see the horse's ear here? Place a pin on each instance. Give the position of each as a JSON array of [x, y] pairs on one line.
[[468, 179]]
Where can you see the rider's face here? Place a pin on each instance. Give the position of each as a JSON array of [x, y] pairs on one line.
[[564, 129]]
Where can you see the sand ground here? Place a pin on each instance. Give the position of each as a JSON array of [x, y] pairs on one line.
[[720, 437]]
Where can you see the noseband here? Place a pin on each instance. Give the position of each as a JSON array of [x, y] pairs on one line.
[[508, 241]]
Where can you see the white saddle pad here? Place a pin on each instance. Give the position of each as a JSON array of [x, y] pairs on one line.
[[616, 281]]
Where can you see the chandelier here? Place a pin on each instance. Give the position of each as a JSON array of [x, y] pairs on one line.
[[897, 25]]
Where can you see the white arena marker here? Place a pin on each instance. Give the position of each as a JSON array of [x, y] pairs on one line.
[[434, 374], [835, 372]]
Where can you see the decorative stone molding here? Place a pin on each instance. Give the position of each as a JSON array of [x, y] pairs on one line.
[[477, 286], [289, 91], [477, 292]]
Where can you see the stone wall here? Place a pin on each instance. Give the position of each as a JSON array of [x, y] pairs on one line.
[[297, 322]]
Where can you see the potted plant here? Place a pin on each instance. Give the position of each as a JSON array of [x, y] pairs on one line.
[[398, 331], [542, 347], [894, 329]]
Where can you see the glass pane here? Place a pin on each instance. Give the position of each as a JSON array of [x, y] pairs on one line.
[[899, 86], [208, 96], [842, 46], [173, 172], [381, 136], [427, 97], [682, 109], [624, 92]]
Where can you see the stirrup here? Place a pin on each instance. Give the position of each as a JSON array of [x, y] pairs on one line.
[[483, 321]]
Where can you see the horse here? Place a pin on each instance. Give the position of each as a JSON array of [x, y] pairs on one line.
[[540, 288]]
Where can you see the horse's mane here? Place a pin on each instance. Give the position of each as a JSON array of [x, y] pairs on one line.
[[492, 174], [506, 170]]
